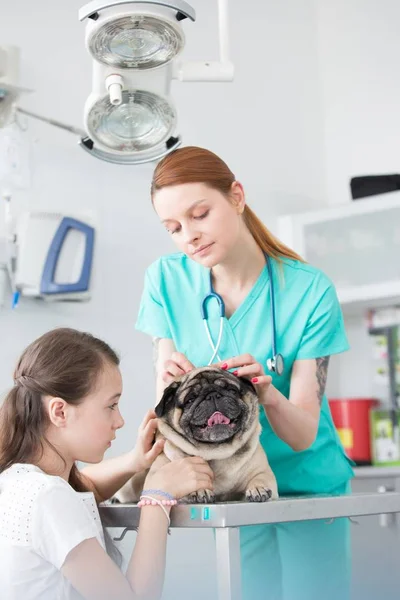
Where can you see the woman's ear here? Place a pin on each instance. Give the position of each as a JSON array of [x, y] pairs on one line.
[[238, 197]]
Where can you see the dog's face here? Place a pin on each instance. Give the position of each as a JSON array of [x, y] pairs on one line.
[[211, 406]]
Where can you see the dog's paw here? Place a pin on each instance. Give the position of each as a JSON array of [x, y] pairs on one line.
[[259, 494], [200, 497]]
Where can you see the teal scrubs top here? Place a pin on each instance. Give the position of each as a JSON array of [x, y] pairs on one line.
[[309, 324]]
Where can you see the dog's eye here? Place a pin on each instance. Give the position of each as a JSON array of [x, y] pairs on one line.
[[232, 390], [190, 398], [193, 393]]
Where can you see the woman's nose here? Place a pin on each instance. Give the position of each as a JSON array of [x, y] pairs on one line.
[[190, 235]]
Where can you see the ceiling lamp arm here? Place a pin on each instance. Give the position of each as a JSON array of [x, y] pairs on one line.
[[223, 31], [210, 70], [59, 124]]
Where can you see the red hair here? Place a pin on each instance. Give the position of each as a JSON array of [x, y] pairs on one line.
[[198, 165]]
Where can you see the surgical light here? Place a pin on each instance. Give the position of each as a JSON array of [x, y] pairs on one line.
[[140, 42], [130, 117], [141, 121], [127, 121], [10, 92]]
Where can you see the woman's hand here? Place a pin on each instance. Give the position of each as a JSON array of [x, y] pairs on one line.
[[145, 450], [175, 367], [181, 477], [246, 365]]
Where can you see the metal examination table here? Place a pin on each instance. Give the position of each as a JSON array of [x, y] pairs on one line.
[[227, 518]]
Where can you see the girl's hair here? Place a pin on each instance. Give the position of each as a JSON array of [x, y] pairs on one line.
[[63, 363], [198, 165]]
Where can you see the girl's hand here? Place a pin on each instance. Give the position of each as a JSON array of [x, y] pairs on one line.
[[175, 367], [181, 477], [145, 450], [246, 365]]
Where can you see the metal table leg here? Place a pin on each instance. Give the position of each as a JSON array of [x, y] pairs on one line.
[[227, 543]]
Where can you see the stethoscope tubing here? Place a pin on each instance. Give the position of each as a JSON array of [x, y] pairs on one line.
[[221, 304]]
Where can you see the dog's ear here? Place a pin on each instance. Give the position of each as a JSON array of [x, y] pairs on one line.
[[246, 385], [167, 400]]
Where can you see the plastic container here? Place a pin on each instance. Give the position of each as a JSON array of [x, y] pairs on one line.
[[351, 417]]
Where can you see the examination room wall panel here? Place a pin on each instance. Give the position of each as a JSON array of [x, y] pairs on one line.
[[358, 54]]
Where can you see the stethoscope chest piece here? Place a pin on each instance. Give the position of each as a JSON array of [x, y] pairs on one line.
[[276, 364]]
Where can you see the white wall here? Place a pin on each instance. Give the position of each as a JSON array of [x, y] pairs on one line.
[[358, 52], [267, 125]]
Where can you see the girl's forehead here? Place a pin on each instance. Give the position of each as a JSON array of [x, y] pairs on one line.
[[108, 379]]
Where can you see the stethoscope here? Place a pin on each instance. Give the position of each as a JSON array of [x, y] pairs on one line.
[[276, 363]]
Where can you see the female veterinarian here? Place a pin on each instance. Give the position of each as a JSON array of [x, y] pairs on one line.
[[225, 250]]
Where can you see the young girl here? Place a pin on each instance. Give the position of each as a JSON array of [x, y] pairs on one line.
[[64, 408]]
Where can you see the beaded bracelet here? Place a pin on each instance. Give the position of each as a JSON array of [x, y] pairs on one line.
[[158, 493], [150, 501]]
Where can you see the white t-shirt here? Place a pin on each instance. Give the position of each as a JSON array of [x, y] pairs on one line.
[[42, 518]]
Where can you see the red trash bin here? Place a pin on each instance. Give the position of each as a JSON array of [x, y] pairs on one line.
[[351, 419]]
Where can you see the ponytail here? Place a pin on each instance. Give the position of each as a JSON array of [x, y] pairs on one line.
[[22, 426], [265, 239]]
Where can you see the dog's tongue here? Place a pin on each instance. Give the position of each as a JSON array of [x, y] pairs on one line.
[[218, 419]]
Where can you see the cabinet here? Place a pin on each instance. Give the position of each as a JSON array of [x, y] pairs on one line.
[[357, 245], [376, 539]]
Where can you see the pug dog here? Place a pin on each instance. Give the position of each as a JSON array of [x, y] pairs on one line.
[[213, 414]]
